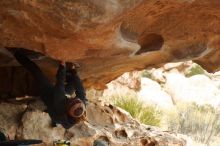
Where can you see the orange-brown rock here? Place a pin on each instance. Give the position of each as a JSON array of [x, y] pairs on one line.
[[106, 123], [108, 38]]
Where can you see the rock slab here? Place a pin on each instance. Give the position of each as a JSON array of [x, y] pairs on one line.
[[105, 125]]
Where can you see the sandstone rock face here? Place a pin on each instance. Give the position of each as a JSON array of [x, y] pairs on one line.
[[106, 124], [109, 38], [10, 117], [170, 85], [128, 83]]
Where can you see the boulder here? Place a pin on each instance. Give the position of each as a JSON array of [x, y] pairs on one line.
[[105, 125], [198, 88], [10, 117], [108, 38], [152, 93]]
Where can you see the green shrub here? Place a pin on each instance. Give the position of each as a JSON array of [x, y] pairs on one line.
[[195, 70], [150, 116], [202, 123], [145, 114], [147, 74]]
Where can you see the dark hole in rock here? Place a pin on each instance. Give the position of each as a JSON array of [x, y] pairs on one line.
[[120, 117], [148, 128], [105, 138], [101, 141], [128, 33], [121, 133], [111, 106], [146, 142], [106, 111], [152, 143], [150, 42]]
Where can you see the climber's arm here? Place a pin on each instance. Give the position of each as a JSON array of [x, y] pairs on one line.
[[79, 89], [60, 77]]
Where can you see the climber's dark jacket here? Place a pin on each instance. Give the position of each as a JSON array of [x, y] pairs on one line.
[[54, 96]]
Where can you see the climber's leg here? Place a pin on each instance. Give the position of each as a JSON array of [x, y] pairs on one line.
[[45, 87]]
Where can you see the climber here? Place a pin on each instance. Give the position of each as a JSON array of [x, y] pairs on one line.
[[62, 110]]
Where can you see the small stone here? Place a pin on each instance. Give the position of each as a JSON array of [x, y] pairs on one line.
[[100, 143]]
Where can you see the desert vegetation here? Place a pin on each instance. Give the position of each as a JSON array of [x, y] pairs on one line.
[[146, 114], [201, 122], [194, 70]]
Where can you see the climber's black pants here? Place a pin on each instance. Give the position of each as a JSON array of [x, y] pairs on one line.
[[46, 89], [44, 86]]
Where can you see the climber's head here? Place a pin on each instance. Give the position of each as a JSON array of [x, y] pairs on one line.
[[75, 108]]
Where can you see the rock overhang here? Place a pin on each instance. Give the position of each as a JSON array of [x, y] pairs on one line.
[[108, 38]]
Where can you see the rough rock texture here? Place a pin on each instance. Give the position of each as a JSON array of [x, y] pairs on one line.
[[129, 79], [10, 115], [127, 84], [106, 124], [109, 38], [163, 89]]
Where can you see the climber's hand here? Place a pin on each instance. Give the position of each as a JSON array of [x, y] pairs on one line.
[[62, 63], [85, 101], [72, 66]]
